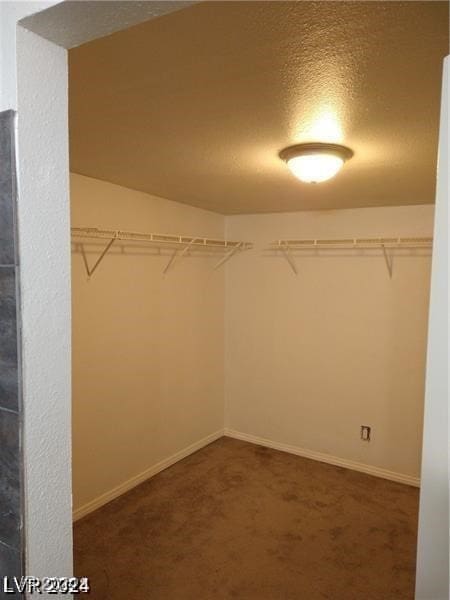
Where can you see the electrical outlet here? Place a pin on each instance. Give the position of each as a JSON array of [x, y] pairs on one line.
[[365, 433]]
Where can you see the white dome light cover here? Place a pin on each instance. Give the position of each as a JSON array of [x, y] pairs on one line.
[[315, 162]]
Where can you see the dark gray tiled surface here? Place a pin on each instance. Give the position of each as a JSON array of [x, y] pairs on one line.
[[10, 566], [9, 479], [11, 551], [7, 188], [8, 340]]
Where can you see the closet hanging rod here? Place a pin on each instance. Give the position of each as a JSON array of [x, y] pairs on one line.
[[158, 238], [348, 243]]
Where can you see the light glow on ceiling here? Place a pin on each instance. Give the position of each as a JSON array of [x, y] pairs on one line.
[[325, 128]]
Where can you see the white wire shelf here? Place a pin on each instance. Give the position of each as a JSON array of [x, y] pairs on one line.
[[386, 244], [181, 244], [155, 238], [373, 242]]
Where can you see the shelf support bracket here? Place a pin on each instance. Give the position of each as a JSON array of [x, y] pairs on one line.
[[171, 261], [177, 254], [288, 257], [90, 271], [388, 260], [227, 256], [187, 247]]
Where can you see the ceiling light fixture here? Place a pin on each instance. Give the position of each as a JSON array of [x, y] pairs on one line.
[[315, 162]]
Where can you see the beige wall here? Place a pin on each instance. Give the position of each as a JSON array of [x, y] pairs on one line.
[[148, 348], [311, 358], [301, 361]]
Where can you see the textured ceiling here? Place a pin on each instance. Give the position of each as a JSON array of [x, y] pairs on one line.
[[194, 106], [71, 22]]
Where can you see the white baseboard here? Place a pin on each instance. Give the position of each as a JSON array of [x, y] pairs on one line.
[[326, 458], [150, 472], [89, 507]]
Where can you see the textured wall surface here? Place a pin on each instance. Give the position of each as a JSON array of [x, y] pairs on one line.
[[44, 250], [10, 14], [11, 550]]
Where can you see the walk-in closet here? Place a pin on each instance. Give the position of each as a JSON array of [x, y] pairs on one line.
[[252, 213]]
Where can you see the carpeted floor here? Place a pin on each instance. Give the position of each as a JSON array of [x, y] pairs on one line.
[[237, 520]]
